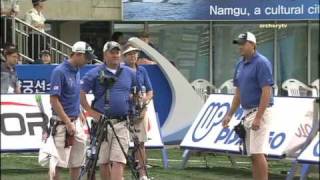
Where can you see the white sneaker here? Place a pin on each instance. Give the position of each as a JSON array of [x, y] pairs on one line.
[[144, 178]]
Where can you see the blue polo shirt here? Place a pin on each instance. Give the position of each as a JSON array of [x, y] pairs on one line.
[[65, 83], [143, 78], [119, 92], [250, 77]]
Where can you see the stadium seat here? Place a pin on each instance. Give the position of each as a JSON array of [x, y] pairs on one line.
[[315, 88], [296, 88], [275, 90], [228, 85], [203, 88]]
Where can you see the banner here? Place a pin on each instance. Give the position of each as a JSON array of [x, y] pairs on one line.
[[39, 82], [22, 122], [233, 10], [287, 114], [311, 154]]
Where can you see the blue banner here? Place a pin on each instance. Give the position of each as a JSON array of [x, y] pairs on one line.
[[35, 78], [233, 10]]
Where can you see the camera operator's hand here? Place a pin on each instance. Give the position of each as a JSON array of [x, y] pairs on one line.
[[226, 120], [71, 128]]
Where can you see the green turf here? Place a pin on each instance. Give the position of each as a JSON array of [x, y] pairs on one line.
[[201, 166]]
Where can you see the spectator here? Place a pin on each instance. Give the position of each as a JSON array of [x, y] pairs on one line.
[[9, 80], [3, 50], [35, 18], [45, 58], [119, 38], [12, 11], [143, 58]]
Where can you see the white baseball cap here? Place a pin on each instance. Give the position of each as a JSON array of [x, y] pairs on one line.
[[110, 45], [130, 49], [243, 37], [85, 48]]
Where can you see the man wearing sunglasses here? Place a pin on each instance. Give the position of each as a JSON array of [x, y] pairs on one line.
[[69, 137]]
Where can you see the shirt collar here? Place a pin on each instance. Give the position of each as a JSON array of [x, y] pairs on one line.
[[126, 64], [252, 59], [33, 10], [119, 67], [70, 67], [8, 68]]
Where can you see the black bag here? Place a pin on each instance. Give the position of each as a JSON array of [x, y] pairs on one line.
[[240, 130]]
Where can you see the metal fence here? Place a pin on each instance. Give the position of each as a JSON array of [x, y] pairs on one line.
[[30, 41]]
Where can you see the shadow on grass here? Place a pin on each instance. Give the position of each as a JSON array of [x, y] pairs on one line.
[[159, 172], [23, 171]]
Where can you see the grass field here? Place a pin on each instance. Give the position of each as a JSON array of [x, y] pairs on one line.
[[24, 166]]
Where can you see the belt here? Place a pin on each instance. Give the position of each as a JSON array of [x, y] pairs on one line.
[[117, 119], [121, 118], [60, 122], [249, 113]]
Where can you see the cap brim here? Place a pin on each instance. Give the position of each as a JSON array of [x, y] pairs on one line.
[[113, 48], [239, 41], [91, 56], [131, 50], [118, 48]]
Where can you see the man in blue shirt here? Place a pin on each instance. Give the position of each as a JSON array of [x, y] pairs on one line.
[[111, 100], [140, 127], [253, 81], [65, 102]]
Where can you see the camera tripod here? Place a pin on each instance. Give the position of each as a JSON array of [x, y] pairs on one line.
[[97, 136], [136, 150]]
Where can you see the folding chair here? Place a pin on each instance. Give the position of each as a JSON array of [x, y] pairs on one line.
[[203, 88], [296, 88], [228, 85], [315, 88]]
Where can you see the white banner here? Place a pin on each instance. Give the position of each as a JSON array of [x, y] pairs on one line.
[[288, 113], [311, 154], [21, 123]]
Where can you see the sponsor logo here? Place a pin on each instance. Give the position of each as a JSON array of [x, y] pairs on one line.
[[211, 117], [21, 129], [316, 149], [55, 87]]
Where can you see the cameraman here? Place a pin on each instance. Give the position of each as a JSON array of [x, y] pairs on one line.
[[140, 127], [114, 95]]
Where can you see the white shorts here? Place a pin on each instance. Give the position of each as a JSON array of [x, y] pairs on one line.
[[73, 156], [257, 142]]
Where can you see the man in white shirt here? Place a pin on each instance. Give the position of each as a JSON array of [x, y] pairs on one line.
[[35, 18]]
